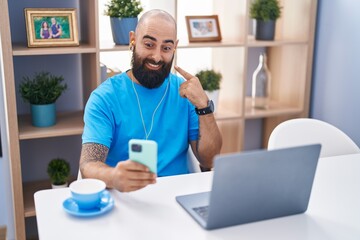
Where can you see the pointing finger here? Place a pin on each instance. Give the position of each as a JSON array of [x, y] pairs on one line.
[[185, 74]]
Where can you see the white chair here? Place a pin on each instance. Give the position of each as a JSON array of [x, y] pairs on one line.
[[302, 131], [79, 177], [192, 162]]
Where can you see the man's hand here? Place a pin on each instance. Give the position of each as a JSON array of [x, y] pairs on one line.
[[126, 176], [129, 176], [192, 89]]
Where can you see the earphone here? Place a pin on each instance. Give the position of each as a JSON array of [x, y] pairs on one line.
[[131, 45]]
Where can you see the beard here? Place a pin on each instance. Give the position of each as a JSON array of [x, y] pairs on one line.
[[146, 77]]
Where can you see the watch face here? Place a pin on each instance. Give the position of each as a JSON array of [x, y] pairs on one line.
[[207, 110], [211, 106]]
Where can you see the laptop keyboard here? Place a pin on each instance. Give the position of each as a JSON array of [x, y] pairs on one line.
[[202, 211]]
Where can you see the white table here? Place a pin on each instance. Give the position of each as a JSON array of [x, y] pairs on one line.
[[153, 213]]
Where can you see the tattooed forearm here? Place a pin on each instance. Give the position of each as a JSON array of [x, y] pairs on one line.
[[93, 152]]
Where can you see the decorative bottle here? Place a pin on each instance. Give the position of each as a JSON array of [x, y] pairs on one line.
[[261, 84]]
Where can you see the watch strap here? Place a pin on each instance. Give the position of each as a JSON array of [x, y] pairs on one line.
[[207, 110]]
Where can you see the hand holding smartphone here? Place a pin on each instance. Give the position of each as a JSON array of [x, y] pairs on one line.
[[144, 152]]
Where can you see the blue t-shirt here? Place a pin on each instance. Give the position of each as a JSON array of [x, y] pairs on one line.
[[112, 117]]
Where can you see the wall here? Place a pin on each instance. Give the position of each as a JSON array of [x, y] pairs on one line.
[[336, 72]]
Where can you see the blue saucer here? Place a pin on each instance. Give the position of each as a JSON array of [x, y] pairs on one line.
[[106, 204]]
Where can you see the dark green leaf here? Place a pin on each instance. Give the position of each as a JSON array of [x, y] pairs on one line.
[[44, 88]]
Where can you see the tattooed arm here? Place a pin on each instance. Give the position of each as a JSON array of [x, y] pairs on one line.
[[126, 176]]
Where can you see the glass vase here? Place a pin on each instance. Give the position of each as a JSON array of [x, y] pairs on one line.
[[261, 79]]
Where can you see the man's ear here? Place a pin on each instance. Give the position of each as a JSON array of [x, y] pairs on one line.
[[131, 40], [176, 44], [132, 36]]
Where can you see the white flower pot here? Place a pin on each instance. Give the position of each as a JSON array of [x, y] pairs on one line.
[[214, 96], [59, 186]]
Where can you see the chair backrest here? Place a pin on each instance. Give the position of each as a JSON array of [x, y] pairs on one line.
[[192, 163], [302, 131], [79, 176]]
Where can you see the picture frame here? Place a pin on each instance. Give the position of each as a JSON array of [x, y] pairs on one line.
[[51, 27], [203, 28]]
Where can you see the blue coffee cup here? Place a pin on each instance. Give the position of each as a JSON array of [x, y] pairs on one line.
[[87, 193]]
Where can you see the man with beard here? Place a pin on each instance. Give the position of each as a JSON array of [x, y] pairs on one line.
[[148, 102]]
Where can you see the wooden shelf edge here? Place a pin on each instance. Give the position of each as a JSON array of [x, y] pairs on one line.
[[223, 43], [22, 50], [226, 115], [68, 123], [275, 109], [111, 47], [255, 43], [272, 113]]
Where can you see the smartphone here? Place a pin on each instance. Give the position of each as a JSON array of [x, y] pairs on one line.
[[144, 152]]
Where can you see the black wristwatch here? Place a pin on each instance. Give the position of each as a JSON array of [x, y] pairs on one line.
[[207, 110]]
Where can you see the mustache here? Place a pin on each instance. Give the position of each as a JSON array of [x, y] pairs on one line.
[[147, 60]]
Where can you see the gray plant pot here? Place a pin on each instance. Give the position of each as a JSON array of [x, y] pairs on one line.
[[121, 27], [265, 30]]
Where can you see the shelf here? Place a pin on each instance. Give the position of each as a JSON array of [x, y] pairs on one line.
[[111, 47], [254, 43], [226, 115], [29, 189], [22, 50], [223, 43], [275, 109], [70, 123]]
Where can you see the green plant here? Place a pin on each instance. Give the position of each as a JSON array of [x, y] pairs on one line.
[[123, 8], [209, 79], [265, 10], [44, 88], [58, 171]]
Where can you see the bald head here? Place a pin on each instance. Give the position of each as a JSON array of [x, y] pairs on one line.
[[156, 15], [153, 43]]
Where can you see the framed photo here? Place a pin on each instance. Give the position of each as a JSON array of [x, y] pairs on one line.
[[203, 28], [51, 27]]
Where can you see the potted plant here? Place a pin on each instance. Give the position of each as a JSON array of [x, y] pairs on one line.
[[210, 81], [41, 92], [59, 172], [123, 18], [265, 12]]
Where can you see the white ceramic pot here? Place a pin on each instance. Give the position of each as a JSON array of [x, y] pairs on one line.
[[214, 96], [59, 186]]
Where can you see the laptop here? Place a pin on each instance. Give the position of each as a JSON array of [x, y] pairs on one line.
[[254, 186]]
